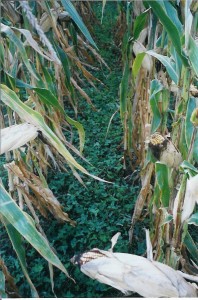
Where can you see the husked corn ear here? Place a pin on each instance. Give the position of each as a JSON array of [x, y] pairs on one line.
[[86, 257], [157, 139]]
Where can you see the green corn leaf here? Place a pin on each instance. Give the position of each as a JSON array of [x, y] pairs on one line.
[[182, 142], [35, 118], [77, 19], [170, 27], [189, 168], [2, 53], [188, 241], [162, 181], [156, 196], [156, 88], [193, 54], [123, 91], [11, 35], [23, 224], [103, 7], [188, 124], [172, 13], [167, 219], [178, 61], [80, 129], [137, 63], [49, 80], [2, 285], [193, 219], [192, 104], [16, 240], [169, 65], [188, 22], [48, 98], [139, 24]]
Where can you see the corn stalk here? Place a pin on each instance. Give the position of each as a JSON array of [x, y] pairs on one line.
[[159, 88]]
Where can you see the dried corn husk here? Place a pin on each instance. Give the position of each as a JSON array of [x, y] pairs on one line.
[[171, 157], [132, 273], [191, 197], [143, 35], [193, 89], [164, 150], [16, 136], [138, 7], [147, 63]]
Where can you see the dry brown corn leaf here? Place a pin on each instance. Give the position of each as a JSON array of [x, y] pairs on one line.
[[44, 194]]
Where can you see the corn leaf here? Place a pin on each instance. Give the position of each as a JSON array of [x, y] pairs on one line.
[[192, 104], [193, 219], [139, 24], [23, 224], [77, 19], [2, 53], [103, 7], [123, 91], [156, 88], [66, 67], [193, 55], [2, 285], [189, 168], [172, 13], [16, 240], [166, 61], [48, 98], [32, 42], [11, 35], [49, 80], [188, 22], [173, 32], [188, 125], [29, 115], [80, 129], [162, 181], [178, 61], [137, 63], [188, 241]]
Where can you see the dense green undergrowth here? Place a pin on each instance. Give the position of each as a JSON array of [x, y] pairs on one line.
[[100, 209]]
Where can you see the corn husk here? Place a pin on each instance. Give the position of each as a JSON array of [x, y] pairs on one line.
[[138, 7], [171, 156], [191, 198], [132, 273], [16, 136], [147, 63]]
